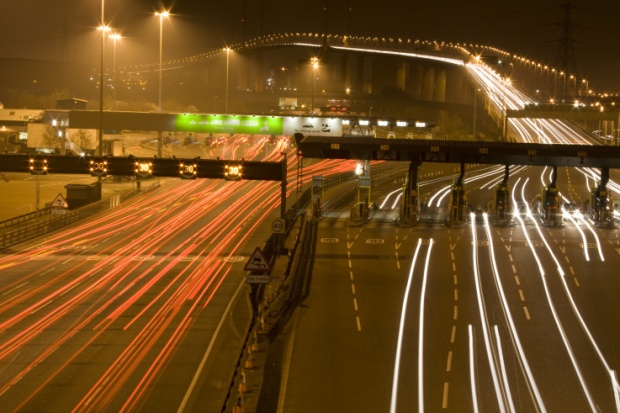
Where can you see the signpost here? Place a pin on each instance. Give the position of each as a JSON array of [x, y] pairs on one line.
[[257, 262], [277, 226], [59, 205], [257, 265]]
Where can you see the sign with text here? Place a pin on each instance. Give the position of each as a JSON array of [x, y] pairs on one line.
[[258, 125], [313, 126]]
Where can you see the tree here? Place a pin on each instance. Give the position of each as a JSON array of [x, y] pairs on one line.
[[82, 139], [50, 137]]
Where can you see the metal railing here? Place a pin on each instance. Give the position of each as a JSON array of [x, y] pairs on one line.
[[25, 217], [42, 227]]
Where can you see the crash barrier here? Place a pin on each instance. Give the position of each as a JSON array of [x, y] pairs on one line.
[[276, 303], [280, 298], [52, 222], [25, 217]]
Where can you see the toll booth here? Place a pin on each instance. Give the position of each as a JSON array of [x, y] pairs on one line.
[[410, 205], [318, 183], [360, 210], [458, 204], [548, 207], [602, 207], [501, 205]]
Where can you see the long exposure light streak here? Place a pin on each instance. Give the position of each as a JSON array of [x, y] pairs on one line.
[[531, 382], [550, 301], [483, 318], [421, 330], [401, 330]]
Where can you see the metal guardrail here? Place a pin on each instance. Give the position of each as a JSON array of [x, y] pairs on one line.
[[292, 287], [37, 229], [25, 217]]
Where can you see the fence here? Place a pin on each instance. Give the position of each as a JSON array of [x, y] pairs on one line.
[[41, 227]]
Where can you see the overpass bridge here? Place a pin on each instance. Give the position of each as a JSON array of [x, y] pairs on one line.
[[356, 68], [348, 65]]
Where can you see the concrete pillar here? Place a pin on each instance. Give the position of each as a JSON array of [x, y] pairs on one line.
[[401, 75], [439, 92], [428, 84], [366, 69], [410, 210]]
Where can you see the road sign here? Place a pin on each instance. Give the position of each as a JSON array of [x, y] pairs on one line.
[[257, 279], [277, 226], [98, 167], [257, 262], [59, 202]]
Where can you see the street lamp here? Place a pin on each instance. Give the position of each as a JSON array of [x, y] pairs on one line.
[[103, 29], [115, 37], [506, 82], [315, 66], [161, 15], [227, 61]]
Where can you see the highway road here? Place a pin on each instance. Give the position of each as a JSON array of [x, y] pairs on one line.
[[141, 308], [518, 318]]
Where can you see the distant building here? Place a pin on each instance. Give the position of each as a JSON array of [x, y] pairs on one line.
[[71, 104], [14, 127]]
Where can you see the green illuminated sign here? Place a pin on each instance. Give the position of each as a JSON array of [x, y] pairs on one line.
[[260, 125]]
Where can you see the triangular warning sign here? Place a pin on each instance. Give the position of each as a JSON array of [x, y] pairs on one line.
[[59, 202], [257, 262]]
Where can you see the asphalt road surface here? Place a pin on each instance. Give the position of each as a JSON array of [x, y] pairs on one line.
[[474, 318]]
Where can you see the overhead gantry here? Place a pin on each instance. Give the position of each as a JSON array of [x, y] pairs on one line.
[[601, 207]]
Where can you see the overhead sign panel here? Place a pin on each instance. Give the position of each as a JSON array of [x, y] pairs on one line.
[[259, 125], [313, 126]]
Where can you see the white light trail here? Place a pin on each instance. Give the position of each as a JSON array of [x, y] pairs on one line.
[[502, 365], [614, 382], [483, 319], [550, 302], [458, 62], [401, 330], [511, 325], [395, 204], [387, 198], [472, 370], [421, 331]]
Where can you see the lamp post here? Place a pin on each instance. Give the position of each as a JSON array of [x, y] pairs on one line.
[[161, 15], [506, 82], [315, 66], [585, 99], [115, 37], [227, 64], [103, 29]]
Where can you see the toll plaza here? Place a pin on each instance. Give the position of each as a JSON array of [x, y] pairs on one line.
[[602, 207], [501, 206], [458, 200]]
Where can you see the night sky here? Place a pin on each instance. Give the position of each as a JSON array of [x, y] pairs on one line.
[[41, 29]]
